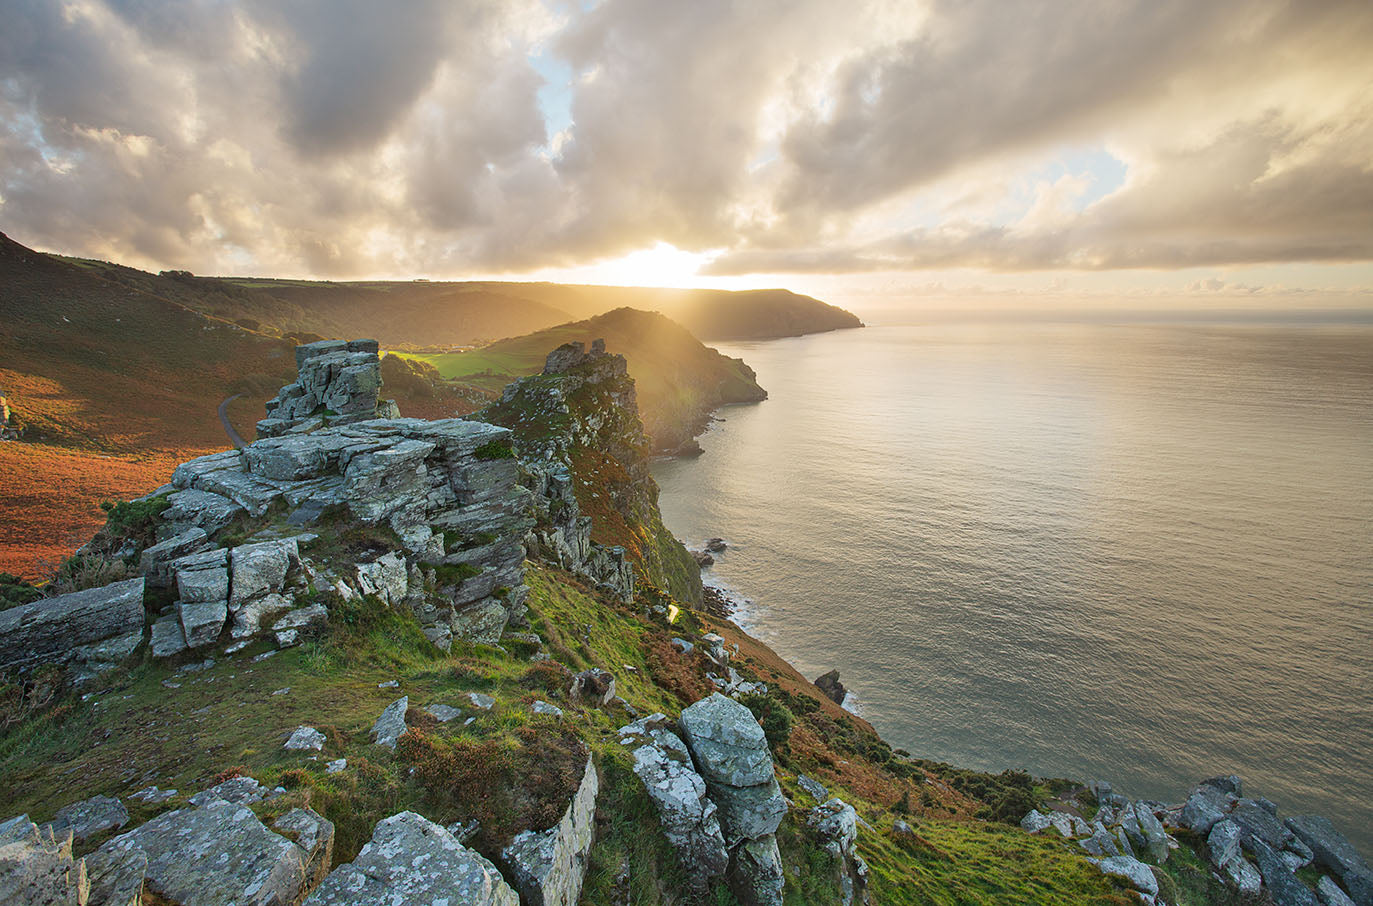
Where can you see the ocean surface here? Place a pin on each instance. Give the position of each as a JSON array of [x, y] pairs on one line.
[[1141, 553]]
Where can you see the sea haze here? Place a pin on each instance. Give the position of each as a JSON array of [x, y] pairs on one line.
[[1141, 553]]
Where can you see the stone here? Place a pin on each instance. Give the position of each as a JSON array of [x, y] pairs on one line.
[[37, 868], [1100, 843], [199, 509], [314, 834], [1035, 821], [546, 708], [89, 817], [202, 622], [168, 638], [714, 645], [250, 615], [464, 830], [1256, 821], [117, 879], [731, 754], [235, 791], [1155, 837], [836, 822], [1228, 783], [483, 623], [1132, 870], [830, 685], [201, 578], [152, 795], [1331, 851], [479, 700], [1330, 894], [1123, 839], [300, 624], [387, 577], [217, 855], [1283, 886], [1223, 843], [755, 872], [305, 739], [442, 713], [154, 564], [595, 687], [411, 861], [389, 684], [687, 815], [814, 788], [56, 630], [1203, 809], [335, 766], [1244, 877], [390, 726], [683, 645], [548, 866], [1062, 823], [259, 569]]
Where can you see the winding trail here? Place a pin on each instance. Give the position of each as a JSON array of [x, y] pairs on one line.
[[234, 437]]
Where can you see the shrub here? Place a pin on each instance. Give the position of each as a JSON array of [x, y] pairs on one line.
[[15, 592], [495, 449], [775, 719]]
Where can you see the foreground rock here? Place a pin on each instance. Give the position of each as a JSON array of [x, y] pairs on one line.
[[89, 817], [93, 630], [548, 866], [37, 868], [1335, 854], [411, 861], [731, 753], [836, 823], [687, 815]]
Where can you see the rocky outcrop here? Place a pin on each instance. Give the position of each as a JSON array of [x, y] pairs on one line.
[[548, 866], [830, 685], [836, 824], [338, 383], [1331, 851], [411, 860], [36, 867], [92, 630], [687, 815], [731, 753], [89, 817]]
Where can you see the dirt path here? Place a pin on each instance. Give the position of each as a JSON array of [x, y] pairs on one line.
[[234, 437]]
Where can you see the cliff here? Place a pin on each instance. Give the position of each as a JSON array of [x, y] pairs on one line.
[[388, 660]]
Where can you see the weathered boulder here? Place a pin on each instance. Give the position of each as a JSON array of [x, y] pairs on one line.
[[300, 624], [411, 861], [390, 726], [688, 817], [1204, 808], [836, 824], [117, 878], [1334, 853], [1256, 821], [727, 742], [1283, 886], [830, 685], [304, 739], [386, 577], [1035, 821], [155, 563], [203, 576], [548, 866], [249, 616], [815, 788], [1132, 870], [1226, 783], [202, 622], [219, 854], [94, 629], [1223, 843], [235, 791], [89, 817], [259, 569], [37, 868], [755, 872], [1100, 843], [1155, 837], [314, 834]]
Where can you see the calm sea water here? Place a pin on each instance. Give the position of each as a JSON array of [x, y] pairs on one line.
[[1138, 553]]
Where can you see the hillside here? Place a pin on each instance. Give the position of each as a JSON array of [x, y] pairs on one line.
[[679, 380]]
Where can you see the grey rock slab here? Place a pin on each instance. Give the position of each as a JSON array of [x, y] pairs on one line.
[[479, 700], [117, 880], [153, 795], [749, 811], [1283, 886], [299, 624], [314, 834], [49, 629], [305, 739], [483, 622], [249, 616], [89, 817], [1256, 821], [688, 817], [390, 726], [816, 789], [1223, 843], [1100, 843], [836, 822], [549, 866], [197, 580], [335, 766], [1203, 809], [1226, 783], [202, 622], [1243, 876], [443, 713], [1155, 837], [168, 638], [259, 569], [1336, 854], [217, 855], [541, 707], [235, 791], [36, 868], [728, 744], [1035, 821], [411, 861], [756, 874], [154, 564], [1132, 870], [1330, 894], [200, 509], [386, 577]]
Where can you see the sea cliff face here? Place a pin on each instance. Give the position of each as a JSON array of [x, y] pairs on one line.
[[402, 660]]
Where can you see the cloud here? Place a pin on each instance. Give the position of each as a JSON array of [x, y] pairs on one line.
[[346, 138]]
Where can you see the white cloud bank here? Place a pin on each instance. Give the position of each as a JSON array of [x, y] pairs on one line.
[[349, 137]]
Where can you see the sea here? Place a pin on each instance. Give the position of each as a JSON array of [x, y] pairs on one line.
[[1140, 552]]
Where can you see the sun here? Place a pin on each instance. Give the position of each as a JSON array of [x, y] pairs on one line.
[[662, 265]]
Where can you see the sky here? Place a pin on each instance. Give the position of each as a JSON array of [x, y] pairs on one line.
[[870, 152]]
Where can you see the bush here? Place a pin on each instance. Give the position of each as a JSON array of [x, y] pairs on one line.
[[495, 449], [775, 719], [15, 592], [134, 519]]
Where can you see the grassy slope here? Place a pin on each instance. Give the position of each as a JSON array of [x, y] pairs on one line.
[[151, 724], [678, 379]]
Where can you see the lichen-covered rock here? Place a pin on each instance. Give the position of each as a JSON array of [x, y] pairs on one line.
[[390, 726], [687, 815], [314, 834], [37, 868], [548, 866], [89, 817], [304, 739], [1155, 837], [219, 854], [299, 624], [755, 872], [95, 628], [727, 742], [411, 861], [259, 569], [203, 576], [1283, 886], [1132, 870], [202, 622], [116, 879], [249, 616], [236, 791], [1336, 855]]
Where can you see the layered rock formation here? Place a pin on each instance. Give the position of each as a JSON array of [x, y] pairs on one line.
[[339, 383]]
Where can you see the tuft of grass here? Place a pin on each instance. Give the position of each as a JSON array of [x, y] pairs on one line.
[[495, 449]]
